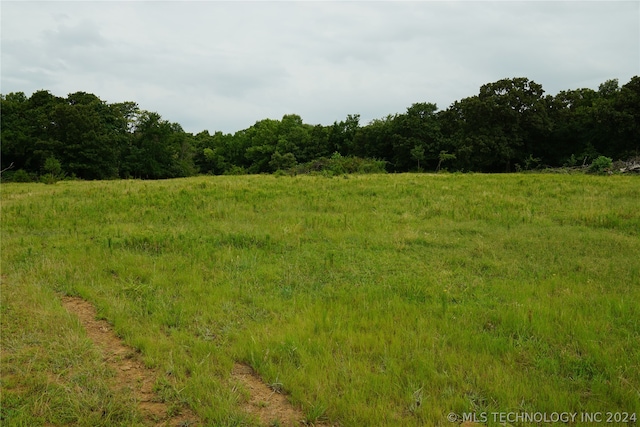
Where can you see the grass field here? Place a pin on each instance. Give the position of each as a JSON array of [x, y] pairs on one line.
[[370, 300]]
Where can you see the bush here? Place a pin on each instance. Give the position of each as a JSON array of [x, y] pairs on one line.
[[282, 161], [18, 176], [53, 170], [601, 165], [339, 165], [235, 170], [48, 178]]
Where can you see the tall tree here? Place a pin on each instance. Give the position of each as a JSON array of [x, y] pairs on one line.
[[263, 140], [569, 114], [44, 145], [627, 103], [342, 135], [159, 149], [89, 142], [17, 144], [416, 131], [375, 139], [317, 145], [500, 126]]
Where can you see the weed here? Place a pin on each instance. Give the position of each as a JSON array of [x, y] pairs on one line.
[[315, 413], [417, 401], [276, 386]]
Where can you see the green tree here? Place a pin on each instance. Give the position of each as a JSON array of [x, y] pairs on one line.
[[418, 127], [85, 128], [375, 139], [417, 154], [614, 123], [517, 113], [158, 149], [627, 103], [122, 122], [443, 157], [42, 141], [282, 161], [52, 171], [500, 126], [343, 134], [17, 144], [587, 124], [293, 135], [601, 165], [317, 144], [263, 140], [569, 114]]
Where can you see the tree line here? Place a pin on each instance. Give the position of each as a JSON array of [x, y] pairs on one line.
[[509, 125]]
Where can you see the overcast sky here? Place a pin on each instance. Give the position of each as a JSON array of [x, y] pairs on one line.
[[222, 66]]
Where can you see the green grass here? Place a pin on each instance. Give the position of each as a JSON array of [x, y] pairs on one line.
[[371, 300], [50, 373]]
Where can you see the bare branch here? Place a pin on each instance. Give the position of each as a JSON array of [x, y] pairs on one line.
[[7, 168]]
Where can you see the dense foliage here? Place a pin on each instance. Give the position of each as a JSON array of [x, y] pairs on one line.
[[510, 125]]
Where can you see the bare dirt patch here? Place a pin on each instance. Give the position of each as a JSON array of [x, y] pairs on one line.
[[266, 403], [131, 374]]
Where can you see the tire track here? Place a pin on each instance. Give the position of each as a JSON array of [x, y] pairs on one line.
[[131, 374], [266, 403]]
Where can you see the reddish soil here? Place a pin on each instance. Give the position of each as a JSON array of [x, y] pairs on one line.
[[264, 402], [131, 374]]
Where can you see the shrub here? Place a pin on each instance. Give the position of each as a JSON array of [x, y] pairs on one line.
[[282, 161], [601, 165], [53, 170], [339, 165], [235, 170], [18, 176]]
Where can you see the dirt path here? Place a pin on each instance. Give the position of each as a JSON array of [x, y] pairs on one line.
[[130, 372], [264, 402], [271, 407]]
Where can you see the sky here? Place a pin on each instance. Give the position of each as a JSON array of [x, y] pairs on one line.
[[223, 66]]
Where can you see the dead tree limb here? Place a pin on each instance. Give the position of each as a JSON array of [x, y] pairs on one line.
[[7, 168]]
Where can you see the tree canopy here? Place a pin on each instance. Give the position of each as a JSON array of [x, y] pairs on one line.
[[509, 125]]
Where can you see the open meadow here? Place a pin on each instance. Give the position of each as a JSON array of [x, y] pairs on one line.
[[368, 300]]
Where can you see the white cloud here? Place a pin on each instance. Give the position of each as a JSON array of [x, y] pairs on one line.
[[225, 65]]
